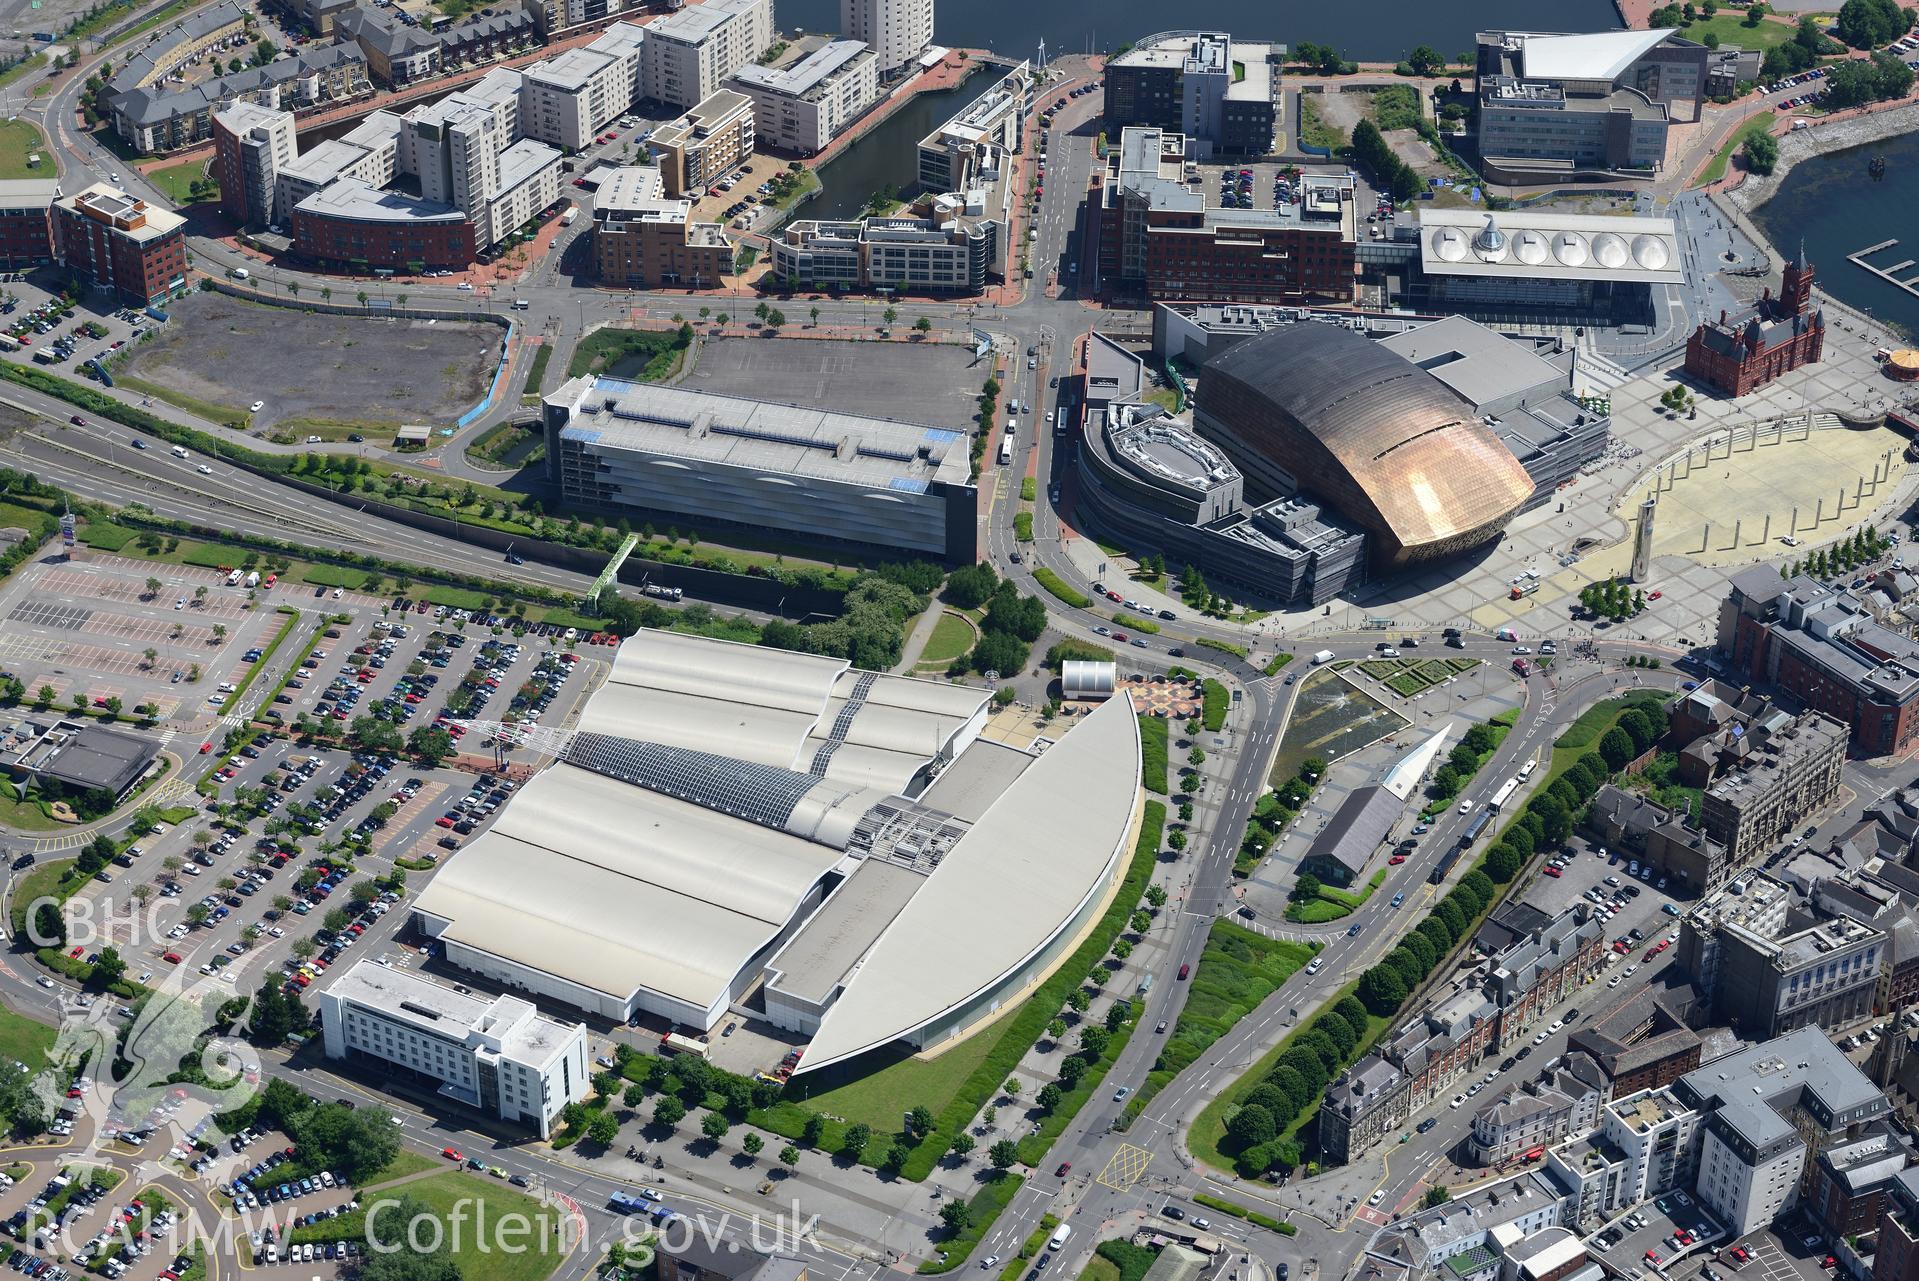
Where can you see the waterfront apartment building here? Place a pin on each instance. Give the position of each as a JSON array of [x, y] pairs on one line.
[[897, 31], [977, 145], [803, 107], [499, 1056], [1571, 106], [643, 239], [251, 145], [26, 222], [704, 145], [649, 452], [1219, 92], [1150, 229], [113, 241], [1770, 962], [949, 251], [567, 99], [155, 119], [690, 54]]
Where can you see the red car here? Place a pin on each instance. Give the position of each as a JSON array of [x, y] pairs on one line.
[[1654, 595], [1396, 859], [205, 748], [1184, 970], [77, 421], [1652, 1256], [1064, 1166], [451, 1154], [443, 821], [171, 958], [77, 953], [1553, 872]]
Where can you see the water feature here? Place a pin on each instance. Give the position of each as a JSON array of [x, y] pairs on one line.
[[1380, 31], [886, 156], [1332, 718], [1832, 205]]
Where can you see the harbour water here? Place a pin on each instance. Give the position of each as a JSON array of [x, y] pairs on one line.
[[885, 156], [1831, 204], [1380, 31]]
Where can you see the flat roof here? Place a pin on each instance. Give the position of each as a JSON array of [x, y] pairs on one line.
[[363, 202], [1522, 244], [696, 22], [836, 936], [880, 454], [1023, 873], [1480, 364], [16, 192], [569, 70], [967, 787], [806, 75], [524, 1033], [94, 756], [1748, 1084], [524, 161]]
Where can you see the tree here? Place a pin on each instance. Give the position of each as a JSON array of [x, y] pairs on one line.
[[431, 744], [1094, 1040], [153, 588], [1072, 1070], [1425, 61], [923, 326], [1382, 990], [1761, 152], [814, 1129], [1338, 1031], [1250, 1125], [1049, 1096], [603, 1129], [957, 1215], [1867, 24], [892, 314], [275, 1014], [668, 1110], [814, 312], [962, 1144], [858, 1135], [108, 968], [1306, 887], [789, 1156], [919, 1118], [1002, 1155], [1615, 746], [714, 1125]]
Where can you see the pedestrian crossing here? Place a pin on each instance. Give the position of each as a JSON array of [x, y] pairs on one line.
[[1596, 375]]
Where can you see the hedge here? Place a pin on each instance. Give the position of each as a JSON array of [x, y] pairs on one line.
[[1224, 647], [1057, 586], [993, 1197], [1134, 621], [1239, 1211], [1218, 701], [1153, 732], [266, 655]]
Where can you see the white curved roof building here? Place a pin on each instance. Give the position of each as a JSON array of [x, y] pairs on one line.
[[1087, 680], [725, 812]]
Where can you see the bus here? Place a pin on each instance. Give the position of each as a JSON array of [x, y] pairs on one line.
[[1006, 450], [1523, 590], [1526, 770], [1504, 794], [1475, 828], [630, 1203], [1444, 866]]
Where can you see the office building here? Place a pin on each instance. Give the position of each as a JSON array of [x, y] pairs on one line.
[[976, 147], [113, 241], [1740, 353], [1824, 648], [691, 53], [1150, 229], [26, 222], [1771, 962], [897, 31], [1847, 1186], [1219, 92], [566, 100], [154, 120], [1383, 442], [1775, 775], [724, 462], [1522, 1121], [704, 145], [251, 145], [955, 247], [802, 107], [1643, 1040], [642, 239], [499, 1056], [1554, 106], [73, 757]]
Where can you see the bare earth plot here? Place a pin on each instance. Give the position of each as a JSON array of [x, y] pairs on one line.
[[318, 374]]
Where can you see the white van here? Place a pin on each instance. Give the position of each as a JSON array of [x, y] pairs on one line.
[[240, 273], [178, 452]]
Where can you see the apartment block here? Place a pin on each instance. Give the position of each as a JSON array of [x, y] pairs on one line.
[[498, 1056], [948, 251], [26, 222], [1219, 92], [803, 107], [977, 145], [157, 119], [690, 54], [643, 239], [556, 17], [251, 145], [705, 144], [567, 99], [1524, 1120], [1848, 1185], [897, 31], [114, 241], [1897, 1256], [1777, 772]]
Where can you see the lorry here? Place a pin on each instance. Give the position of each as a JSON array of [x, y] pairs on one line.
[[566, 219], [658, 592], [1523, 590], [1323, 656], [1060, 1234]]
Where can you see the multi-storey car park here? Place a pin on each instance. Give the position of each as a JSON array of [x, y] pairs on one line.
[[849, 837], [820, 477]]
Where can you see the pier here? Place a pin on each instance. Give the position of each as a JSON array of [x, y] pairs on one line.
[[1888, 274]]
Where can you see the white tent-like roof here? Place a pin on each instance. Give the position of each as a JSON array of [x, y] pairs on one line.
[[1018, 878], [1598, 55]]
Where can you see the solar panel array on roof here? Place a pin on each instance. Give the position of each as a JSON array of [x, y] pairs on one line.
[[763, 794]]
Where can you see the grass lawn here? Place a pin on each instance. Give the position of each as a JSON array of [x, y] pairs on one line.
[[18, 140], [23, 1039], [952, 636], [25, 67], [26, 816], [1153, 733], [1099, 1269], [1057, 586], [881, 1098], [993, 1196], [476, 1196], [1731, 28], [176, 181], [404, 1163], [1760, 123], [642, 355], [42, 882]]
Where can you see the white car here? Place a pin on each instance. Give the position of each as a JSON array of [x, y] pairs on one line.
[[465, 286], [1522, 649], [256, 406], [204, 470]]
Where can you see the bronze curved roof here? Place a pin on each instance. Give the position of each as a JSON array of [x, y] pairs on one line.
[[1382, 437]]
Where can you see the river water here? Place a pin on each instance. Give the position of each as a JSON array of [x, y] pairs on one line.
[[1831, 203], [1381, 30]]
